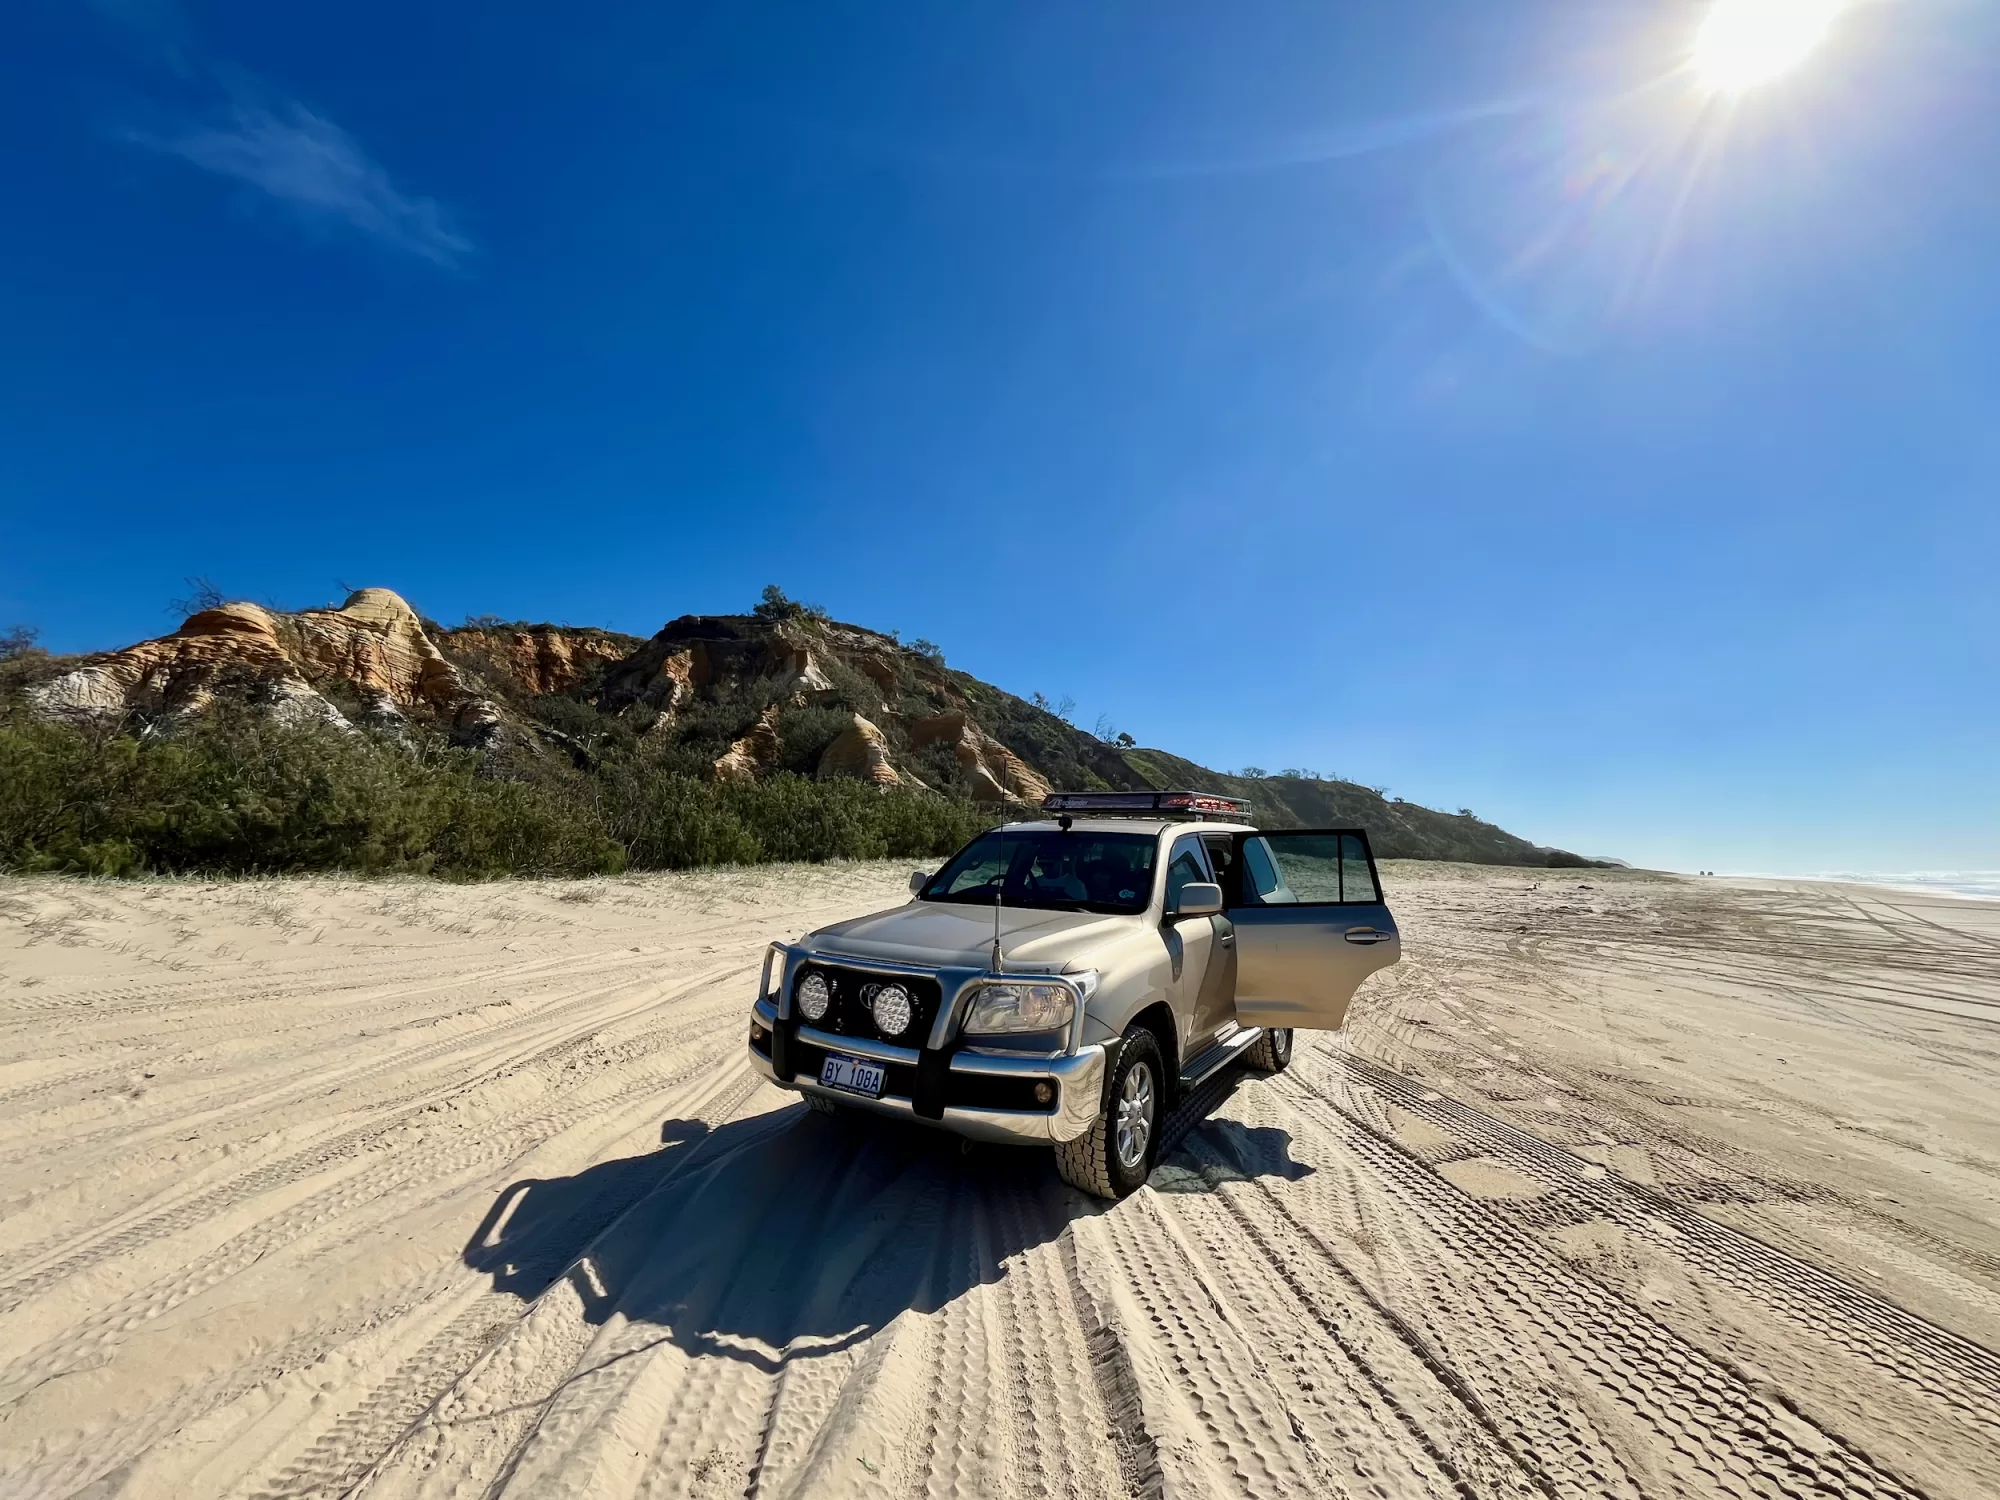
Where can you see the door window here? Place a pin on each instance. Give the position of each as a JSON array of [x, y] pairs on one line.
[[1309, 869], [1357, 871], [1185, 867], [1221, 849], [1262, 884]]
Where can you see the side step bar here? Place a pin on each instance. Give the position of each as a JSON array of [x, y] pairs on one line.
[[1212, 1060]]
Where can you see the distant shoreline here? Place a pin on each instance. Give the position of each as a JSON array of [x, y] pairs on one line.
[[1967, 885]]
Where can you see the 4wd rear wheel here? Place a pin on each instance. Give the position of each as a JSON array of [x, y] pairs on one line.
[[1272, 1052], [1116, 1154]]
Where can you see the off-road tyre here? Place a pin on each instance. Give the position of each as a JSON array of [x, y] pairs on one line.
[[1091, 1161], [1272, 1052], [819, 1104]]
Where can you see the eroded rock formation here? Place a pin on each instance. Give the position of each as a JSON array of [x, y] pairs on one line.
[[699, 652], [372, 650], [860, 751], [755, 754], [536, 659], [995, 773], [801, 674]]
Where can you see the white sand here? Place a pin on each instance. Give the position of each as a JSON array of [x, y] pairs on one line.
[[1649, 1187]]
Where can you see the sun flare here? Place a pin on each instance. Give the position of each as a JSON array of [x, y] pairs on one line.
[[1745, 42]]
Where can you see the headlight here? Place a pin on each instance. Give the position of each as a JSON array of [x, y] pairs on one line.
[[1021, 1007], [813, 997], [892, 1010]]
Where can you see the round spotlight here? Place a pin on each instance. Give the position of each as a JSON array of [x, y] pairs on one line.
[[813, 997], [893, 1010]]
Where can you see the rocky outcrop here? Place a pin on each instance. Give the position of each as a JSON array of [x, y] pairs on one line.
[[860, 751], [801, 674], [699, 653], [373, 649], [880, 670], [176, 673], [995, 773], [535, 660], [662, 674], [753, 755]]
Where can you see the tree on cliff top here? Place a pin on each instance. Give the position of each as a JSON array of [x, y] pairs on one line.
[[777, 605]]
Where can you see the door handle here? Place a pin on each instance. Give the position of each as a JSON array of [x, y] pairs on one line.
[[1365, 935]]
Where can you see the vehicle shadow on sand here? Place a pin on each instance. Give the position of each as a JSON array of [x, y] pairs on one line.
[[789, 1235]]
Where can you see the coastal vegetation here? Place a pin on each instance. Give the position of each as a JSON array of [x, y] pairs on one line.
[[234, 792]]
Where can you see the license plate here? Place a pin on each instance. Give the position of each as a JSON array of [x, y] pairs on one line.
[[852, 1075]]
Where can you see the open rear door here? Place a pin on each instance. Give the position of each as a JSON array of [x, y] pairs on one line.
[[1310, 925]]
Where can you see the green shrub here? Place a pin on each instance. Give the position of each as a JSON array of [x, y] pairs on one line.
[[920, 827], [804, 734], [683, 822], [232, 792], [240, 794]]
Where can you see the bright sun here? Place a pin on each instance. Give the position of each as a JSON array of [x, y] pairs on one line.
[[1745, 42]]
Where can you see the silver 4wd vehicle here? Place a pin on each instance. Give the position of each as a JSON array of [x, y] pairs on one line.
[[1063, 982]]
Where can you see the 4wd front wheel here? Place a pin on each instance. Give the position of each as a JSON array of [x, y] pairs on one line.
[[1272, 1052], [1116, 1154]]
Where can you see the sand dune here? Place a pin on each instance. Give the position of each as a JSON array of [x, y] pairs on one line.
[[1619, 1185]]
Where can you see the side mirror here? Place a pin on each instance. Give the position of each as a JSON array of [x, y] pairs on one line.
[[1199, 898], [918, 880]]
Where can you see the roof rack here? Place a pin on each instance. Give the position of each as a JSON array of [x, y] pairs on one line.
[[1194, 805]]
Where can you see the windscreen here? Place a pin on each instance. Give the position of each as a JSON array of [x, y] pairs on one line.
[[1107, 872]]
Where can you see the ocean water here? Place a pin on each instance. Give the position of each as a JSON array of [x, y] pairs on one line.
[[1982, 885]]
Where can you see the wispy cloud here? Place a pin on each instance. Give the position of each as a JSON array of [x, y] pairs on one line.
[[317, 171]]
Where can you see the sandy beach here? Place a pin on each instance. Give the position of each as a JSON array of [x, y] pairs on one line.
[[1619, 1185]]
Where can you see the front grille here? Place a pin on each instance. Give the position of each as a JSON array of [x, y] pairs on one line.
[[849, 1014]]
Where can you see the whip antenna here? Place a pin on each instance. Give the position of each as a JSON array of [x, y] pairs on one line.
[[998, 887]]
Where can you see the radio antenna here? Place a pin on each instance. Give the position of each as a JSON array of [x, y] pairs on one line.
[[998, 886], [996, 928]]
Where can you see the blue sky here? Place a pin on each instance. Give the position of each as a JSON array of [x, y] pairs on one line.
[[1447, 395]]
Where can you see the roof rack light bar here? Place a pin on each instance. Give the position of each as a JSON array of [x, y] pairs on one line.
[[1142, 804]]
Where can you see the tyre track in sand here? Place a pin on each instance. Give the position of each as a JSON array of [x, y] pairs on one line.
[[254, 1095], [574, 1247], [1709, 1415], [504, 1039], [391, 1411], [1943, 1367], [98, 1337], [925, 1346], [1566, 1368], [1363, 1385], [38, 1271]]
